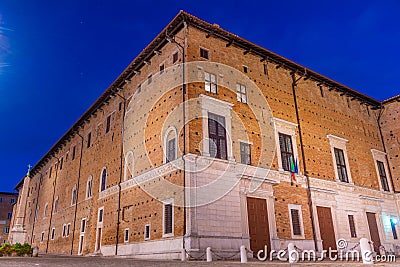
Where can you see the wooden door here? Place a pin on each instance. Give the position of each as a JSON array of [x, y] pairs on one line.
[[373, 230], [258, 224], [326, 228]]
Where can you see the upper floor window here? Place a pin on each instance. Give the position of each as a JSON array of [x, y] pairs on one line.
[[129, 165], [210, 82], [241, 93], [341, 165], [352, 226], [83, 225], [245, 153], [89, 187], [147, 232], [162, 68], [296, 221], [103, 180], [89, 137], [61, 163], [170, 144], [9, 215], [108, 123], [45, 209], [126, 235], [204, 53], [74, 195], [171, 150], [100, 216], [55, 206], [73, 153], [285, 144], [168, 219], [174, 57], [382, 175], [149, 79], [217, 136], [12, 200]]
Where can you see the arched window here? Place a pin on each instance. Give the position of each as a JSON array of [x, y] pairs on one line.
[[55, 206], [45, 209], [103, 180], [128, 171], [170, 144], [74, 195], [89, 187]]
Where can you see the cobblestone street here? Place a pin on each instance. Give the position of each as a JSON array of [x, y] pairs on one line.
[[53, 260]]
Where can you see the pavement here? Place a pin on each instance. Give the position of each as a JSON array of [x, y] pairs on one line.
[[85, 261]]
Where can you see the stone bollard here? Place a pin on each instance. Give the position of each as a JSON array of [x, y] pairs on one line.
[[208, 254], [366, 252], [183, 255], [293, 254], [35, 251], [243, 254]]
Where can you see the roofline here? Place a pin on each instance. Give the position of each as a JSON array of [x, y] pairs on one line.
[[212, 30], [391, 99], [9, 193]]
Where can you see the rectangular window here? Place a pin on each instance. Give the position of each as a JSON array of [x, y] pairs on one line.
[[53, 231], [296, 224], [126, 235], [64, 230], [51, 169], [245, 69], [139, 88], [245, 153], [204, 53], [393, 226], [1, 200], [6, 230], [101, 215], [108, 123], [241, 93], [162, 68], [149, 79], [341, 165], [352, 226], [382, 175], [217, 136], [171, 150], [83, 225], [68, 228], [89, 136], [285, 143], [9, 215], [265, 69], [73, 153], [12, 200], [41, 237], [168, 227], [174, 57], [147, 232], [211, 82], [61, 163], [89, 189]]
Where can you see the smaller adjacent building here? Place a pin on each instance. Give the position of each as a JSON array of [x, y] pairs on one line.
[[7, 201]]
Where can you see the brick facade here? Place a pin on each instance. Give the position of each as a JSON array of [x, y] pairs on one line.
[[126, 133]]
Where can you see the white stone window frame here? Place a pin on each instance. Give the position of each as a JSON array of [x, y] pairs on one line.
[[126, 170], [126, 236], [41, 237], [165, 142], [74, 195], [221, 108], [288, 128], [167, 202], [296, 207], [68, 229], [64, 230], [381, 156], [53, 233], [46, 206], [145, 231], [340, 143], [55, 205], [101, 178], [89, 180], [84, 230], [100, 224]]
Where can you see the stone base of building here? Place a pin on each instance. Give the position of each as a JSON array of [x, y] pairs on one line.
[[17, 235]]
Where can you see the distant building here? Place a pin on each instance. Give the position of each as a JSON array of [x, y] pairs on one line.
[[253, 150], [7, 201]]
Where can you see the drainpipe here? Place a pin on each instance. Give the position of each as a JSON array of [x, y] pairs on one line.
[[120, 172], [382, 108], [310, 203], [77, 193], [52, 204], [172, 40]]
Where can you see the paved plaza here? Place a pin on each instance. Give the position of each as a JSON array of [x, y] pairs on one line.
[[54, 260]]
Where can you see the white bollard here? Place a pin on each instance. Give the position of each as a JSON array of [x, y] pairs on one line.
[[183, 254], [366, 252], [293, 254], [243, 254], [208, 254]]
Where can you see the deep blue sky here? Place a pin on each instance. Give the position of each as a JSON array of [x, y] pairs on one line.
[[57, 57]]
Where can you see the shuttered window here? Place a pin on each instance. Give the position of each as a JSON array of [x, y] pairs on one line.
[[382, 175], [296, 226], [341, 165], [217, 136], [245, 154], [171, 150], [285, 143], [352, 225], [168, 219]]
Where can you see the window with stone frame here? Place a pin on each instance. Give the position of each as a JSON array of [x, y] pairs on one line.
[[103, 180], [168, 218], [241, 93], [286, 146], [171, 151], [211, 83], [245, 153], [352, 226], [341, 165], [217, 136], [382, 175]]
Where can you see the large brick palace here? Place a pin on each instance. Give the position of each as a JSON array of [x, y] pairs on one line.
[[208, 140]]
